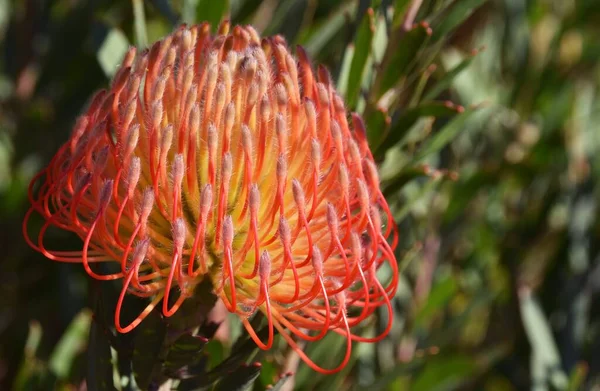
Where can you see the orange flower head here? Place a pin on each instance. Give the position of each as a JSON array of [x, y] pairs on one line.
[[226, 157]]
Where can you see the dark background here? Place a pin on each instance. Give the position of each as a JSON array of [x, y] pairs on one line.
[[499, 250]]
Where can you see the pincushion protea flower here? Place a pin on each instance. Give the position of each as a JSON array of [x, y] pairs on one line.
[[225, 157]]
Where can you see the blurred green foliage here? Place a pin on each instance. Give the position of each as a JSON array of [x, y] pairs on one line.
[[483, 117]]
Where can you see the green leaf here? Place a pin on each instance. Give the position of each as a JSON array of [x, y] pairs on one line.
[[279, 385], [405, 122], [193, 311], [270, 370], [444, 136], [196, 378], [112, 51], [242, 11], [5, 12], [362, 50], [447, 79], [545, 363], [578, 376], [401, 54], [378, 125], [279, 16], [423, 80], [441, 292], [458, 13], [384, 381], [139, 21], [30, 368], [71, 343], [328, 29], [241, 379], [342, 84], [99, 375], [422, 193], [147, 347], [400, 8], [444, 373], [33, 339], [241, 353], [185, 352], [216, 353], [401, 180], [327, 353], [239, 356], [212, 11]]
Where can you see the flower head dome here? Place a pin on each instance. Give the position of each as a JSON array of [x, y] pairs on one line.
[[225, 157]]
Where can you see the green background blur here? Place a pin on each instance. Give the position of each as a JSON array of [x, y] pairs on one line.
[[496, 194]]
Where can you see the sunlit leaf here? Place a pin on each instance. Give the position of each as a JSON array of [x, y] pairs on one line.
[[111, 52], [71, 343], [546, 365], [342, 83], [139, 18]]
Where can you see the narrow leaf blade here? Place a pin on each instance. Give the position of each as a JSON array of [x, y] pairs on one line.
[[99, 366], [212, 11], [362, 50]]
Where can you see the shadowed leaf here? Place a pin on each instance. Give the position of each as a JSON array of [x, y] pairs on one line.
[[453, 18], [439, 296], [446, 80], [212, 11], [193, 311], [242, 379], [362, 50], [327, 30], [148, 344], [406, 120], [99, 361], [378, 126], [444, 373], [400, 55], [186, 353]]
